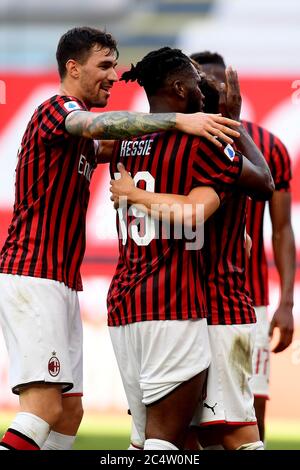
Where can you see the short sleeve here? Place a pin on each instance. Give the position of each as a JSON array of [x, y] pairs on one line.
[[53, 115], [280, 166], [216, 167]]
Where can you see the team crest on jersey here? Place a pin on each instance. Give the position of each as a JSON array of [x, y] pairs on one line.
[[71, 105], [229, 152], [53, 365]]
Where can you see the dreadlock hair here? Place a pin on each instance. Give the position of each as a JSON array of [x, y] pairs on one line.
[[207, 57], [153, 70], [77, 43]]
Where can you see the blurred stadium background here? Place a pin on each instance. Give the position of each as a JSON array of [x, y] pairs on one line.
[[260, 39]]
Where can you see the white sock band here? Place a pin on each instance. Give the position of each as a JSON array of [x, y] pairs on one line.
[[158, 444], [31, 426], [57, 441], [258, 445]]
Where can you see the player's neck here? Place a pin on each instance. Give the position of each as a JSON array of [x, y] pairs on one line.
[[66, 89], [164, 105]]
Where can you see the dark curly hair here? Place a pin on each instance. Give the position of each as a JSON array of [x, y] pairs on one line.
[[156, 67]]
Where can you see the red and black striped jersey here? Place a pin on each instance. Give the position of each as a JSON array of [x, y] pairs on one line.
[[279, 162], [46, 237], [224, 254], [158, 278]]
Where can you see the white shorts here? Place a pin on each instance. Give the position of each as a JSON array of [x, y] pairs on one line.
[[155, 357], [135, 439], [229, 398], [42, 329], [259, 382]]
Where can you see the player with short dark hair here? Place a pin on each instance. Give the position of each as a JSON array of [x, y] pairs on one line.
[[41, 258], [155, 302], [279, 162], [206, 58], [76, 44]]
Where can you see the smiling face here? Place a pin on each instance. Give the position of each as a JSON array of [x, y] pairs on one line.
[[96, 76]]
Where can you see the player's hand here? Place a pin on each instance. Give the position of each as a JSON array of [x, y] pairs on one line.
[[123, 187], [209, 126], [230, 95], [284, 321]]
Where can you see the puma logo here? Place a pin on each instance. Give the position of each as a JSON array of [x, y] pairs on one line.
[[212, 408]]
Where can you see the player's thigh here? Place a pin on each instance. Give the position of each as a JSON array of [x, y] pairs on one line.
[[169, 418]]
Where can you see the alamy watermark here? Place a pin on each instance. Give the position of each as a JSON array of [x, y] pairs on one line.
[[160, 222]]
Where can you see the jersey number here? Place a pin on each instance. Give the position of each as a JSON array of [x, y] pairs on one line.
[[141, 217]]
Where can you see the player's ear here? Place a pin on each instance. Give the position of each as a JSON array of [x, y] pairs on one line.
[[73, 68], [179, 88]]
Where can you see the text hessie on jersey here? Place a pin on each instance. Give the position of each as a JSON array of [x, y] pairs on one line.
[[131, 148]]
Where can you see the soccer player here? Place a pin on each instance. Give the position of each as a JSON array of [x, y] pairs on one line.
[[225, 258], [156, 306], [279, 162], [40, 260]]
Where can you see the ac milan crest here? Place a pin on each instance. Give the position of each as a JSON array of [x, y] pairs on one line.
[[53, 365]]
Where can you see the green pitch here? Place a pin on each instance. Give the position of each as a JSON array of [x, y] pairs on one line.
[[112, 432]]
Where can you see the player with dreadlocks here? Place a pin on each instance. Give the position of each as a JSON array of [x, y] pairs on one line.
[[156, 307]]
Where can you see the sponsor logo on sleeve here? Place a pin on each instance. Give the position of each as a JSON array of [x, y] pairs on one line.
[[71, 105], [229, 152]]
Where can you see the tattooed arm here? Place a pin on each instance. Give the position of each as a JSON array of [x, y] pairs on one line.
[[124, 124]]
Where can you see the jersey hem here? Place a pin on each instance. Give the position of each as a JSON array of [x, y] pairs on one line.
[[214, 323], [263, 303], [40, 275], [198, 316]]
